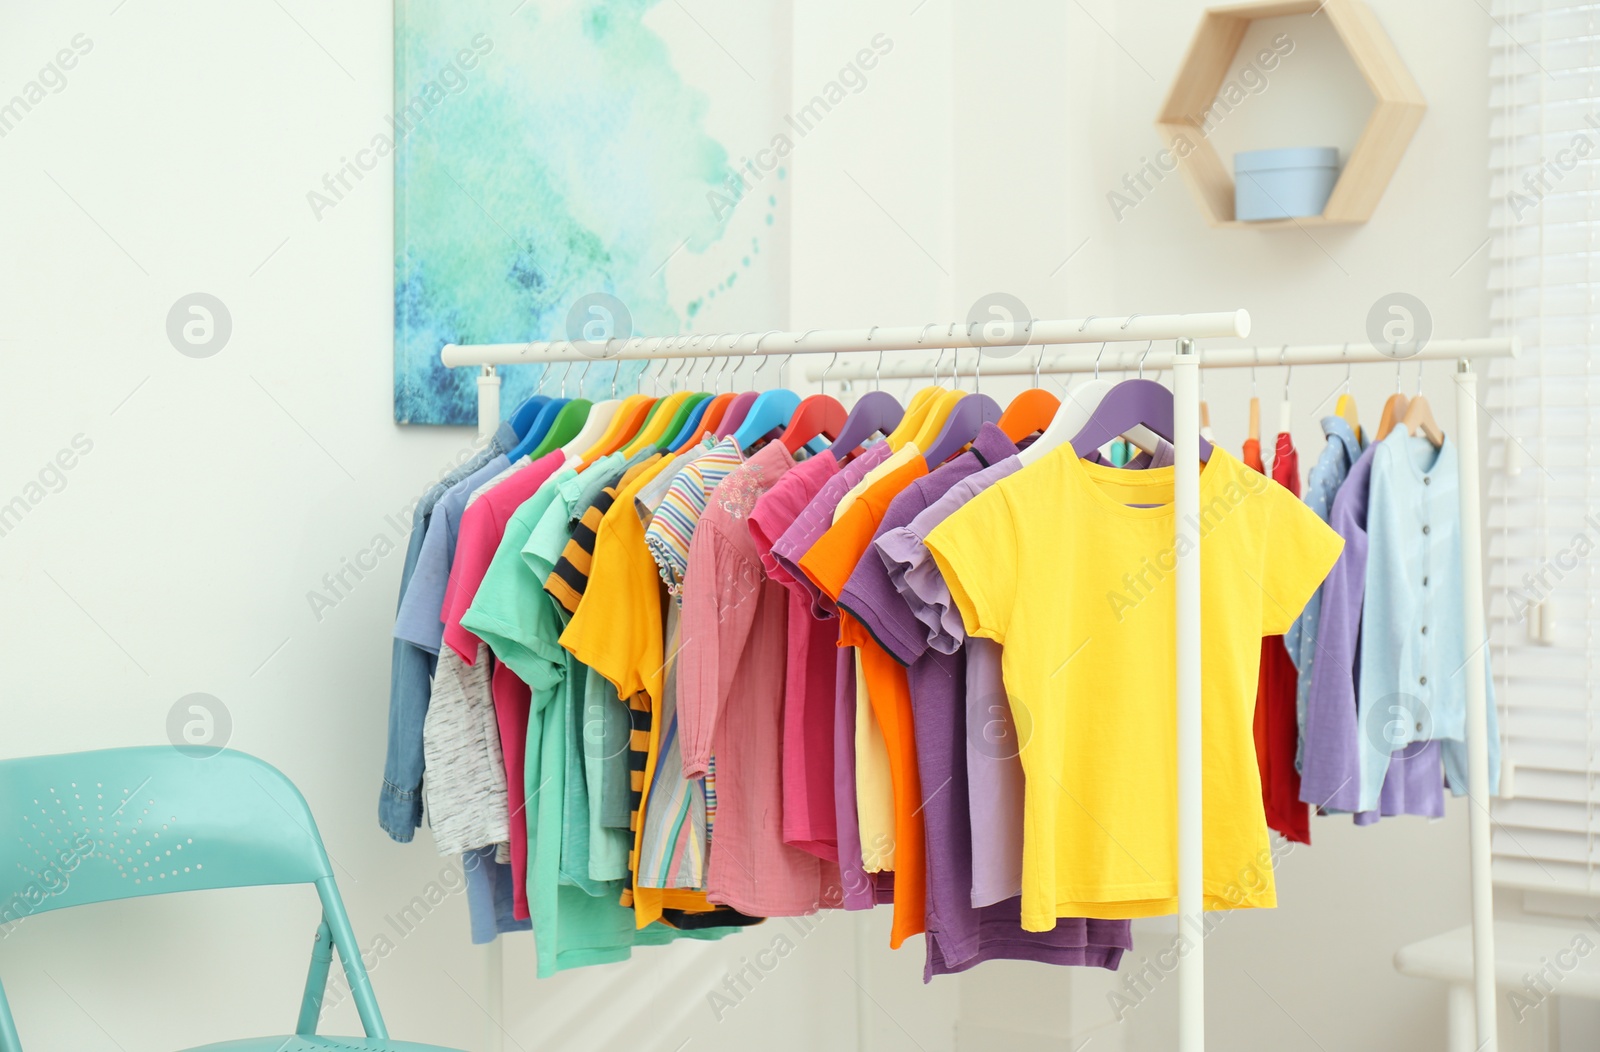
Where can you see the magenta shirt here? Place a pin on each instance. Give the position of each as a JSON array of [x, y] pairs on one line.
[[730, 701], [860, 890], [809, 821]]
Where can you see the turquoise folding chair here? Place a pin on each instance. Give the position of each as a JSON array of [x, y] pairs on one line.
[[96, 826]]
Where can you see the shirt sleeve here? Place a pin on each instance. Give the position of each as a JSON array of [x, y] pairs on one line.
[[977, 552], [1300, 549], [612, 626], [511, 614], [720, 595]]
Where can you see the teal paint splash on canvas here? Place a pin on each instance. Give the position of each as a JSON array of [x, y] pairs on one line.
[[541, 156]]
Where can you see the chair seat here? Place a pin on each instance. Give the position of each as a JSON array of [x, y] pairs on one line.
[[318, 1043]]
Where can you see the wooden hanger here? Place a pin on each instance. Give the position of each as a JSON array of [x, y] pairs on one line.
[[1394, 409], [1419, 416]]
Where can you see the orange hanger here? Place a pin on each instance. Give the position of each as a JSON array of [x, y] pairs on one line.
[[1029, 412], [713, 415], [656, 426], [630, 415], [818, 414]]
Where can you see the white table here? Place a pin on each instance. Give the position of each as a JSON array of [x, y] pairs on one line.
[[1521, 950]]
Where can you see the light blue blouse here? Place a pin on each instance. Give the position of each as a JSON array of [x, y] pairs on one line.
[[1414, 654], [1327, 475]]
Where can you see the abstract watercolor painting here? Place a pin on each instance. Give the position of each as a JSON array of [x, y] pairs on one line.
[[562, 152]]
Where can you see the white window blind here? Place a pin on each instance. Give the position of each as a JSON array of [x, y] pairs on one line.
[[1543, 531]]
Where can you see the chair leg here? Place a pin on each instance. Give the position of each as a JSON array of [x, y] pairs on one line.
[[350, 957], [316, 980]]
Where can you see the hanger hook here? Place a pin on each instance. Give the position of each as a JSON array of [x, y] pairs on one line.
[[564, 378], [877, 374], [802, 337], [1098, 353], [823, 384], [1086, 322], [923, 334], [1038, 361], [936, 363], [1348, 366], [1288, 370], [1255, 360], [1130, 320], [1419, 377], [870, 331], [1143, 355]]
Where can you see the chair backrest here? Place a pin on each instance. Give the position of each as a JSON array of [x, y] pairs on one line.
[[120, 823]]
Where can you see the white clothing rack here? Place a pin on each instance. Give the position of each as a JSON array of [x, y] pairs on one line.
[[992, 343]]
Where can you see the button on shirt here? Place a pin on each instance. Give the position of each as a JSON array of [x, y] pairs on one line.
[[1413, 680], [1327, 475]]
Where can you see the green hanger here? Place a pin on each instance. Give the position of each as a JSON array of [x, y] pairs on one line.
[[568, 422]]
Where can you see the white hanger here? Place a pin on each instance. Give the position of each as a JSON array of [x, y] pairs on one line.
[[1284, 412], [1075, 411]]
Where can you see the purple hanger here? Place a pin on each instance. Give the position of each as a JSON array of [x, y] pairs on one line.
[[961, 427], [874, 412], [734, 415], [1125, 406]]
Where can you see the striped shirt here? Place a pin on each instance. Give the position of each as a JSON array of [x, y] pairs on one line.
[[672, 527]]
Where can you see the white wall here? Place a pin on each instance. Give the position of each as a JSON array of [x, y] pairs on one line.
[[178, 554]]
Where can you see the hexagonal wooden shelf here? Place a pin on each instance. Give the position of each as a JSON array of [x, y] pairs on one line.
[[1377, 152]]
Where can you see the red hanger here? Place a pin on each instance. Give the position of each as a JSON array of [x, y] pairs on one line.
[[1029, 412], [816, 415]]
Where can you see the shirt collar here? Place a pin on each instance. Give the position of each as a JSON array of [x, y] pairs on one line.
[[505, 438], [992, 444], [1339, 431]]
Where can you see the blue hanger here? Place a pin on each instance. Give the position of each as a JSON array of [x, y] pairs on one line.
[[691, 425], [770, 411], [536, 430], [527, 413]]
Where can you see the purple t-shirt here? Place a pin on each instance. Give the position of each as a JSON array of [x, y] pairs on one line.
[[1331, 779], [959, 935], [861, 890], [994, 766]]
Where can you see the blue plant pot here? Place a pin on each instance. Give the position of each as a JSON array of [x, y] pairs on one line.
[[1283, 184]]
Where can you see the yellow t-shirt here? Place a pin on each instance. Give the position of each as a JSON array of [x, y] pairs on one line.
[[1079, 587], [617, 632]]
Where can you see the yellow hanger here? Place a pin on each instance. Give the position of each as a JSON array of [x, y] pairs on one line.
[[938, 410], [656, 427], [1345, 407], [911, 423]]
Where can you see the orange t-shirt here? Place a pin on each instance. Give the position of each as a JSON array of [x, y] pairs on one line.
[[829, 564]]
